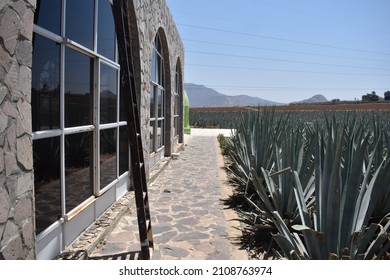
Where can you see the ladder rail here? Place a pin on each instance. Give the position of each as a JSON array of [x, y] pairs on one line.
[[128, 88]]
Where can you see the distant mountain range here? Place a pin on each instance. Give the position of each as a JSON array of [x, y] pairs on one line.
[[201, 96]]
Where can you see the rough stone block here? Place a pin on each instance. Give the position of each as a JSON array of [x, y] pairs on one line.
[[24, 183], [23, 53], [11, 165], [24, 152], [3, 122], [2, 164], [14, 249], [23, 210], [5, 206], [25, 81], [9, 109], [9, 232], [2, 4], [9, 31], [19, 7], [32, 3], [27, 27], [11, 139], [12, 80], [24, 109], [3, 92], [6, 62], [28, 233]]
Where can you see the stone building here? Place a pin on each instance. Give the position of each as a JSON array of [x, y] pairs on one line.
[[64, 152]]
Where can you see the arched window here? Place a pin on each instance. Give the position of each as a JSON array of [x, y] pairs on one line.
[[157, 98]]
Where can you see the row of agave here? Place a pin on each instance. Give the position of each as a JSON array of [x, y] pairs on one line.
[[320, 185], [214, 119]]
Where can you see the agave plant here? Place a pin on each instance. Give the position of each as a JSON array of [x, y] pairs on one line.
[[321, 188], [338, 226], [263, 159], [253, 143]]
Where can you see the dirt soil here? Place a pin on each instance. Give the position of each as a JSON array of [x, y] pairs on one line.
[[339, 106]]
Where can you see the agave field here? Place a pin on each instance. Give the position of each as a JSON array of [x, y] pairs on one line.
[[312, 184]]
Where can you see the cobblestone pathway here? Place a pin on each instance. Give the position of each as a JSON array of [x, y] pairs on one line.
[[189, 220]]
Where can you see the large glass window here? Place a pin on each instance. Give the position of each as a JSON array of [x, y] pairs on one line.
[[157, 96], [80, 141]]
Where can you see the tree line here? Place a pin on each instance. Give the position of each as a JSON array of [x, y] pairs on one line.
[[369, 97]]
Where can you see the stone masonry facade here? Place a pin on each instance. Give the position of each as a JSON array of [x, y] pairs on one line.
[[153, 17], [17, 229], [16, 161]]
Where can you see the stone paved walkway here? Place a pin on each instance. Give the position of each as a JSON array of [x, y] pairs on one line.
[[189, 219]]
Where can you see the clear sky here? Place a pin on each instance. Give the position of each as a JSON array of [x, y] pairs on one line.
[[286, 50]]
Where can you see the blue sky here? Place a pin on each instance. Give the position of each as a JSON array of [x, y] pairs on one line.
[[284, 50]]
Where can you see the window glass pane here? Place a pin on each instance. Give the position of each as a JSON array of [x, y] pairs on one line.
[[45, 84], [107, 156], [108, 94], [160, 71], [48, 15], [123, 150], [157, 44], [160, 104], [78, 89], [153, 67], [160, 134], [122, 105], [176, 82], [176, 124], [78, 168], [47, 183], [79, 21], [152, 101], [106, 30], [151, 132], [176, 104]]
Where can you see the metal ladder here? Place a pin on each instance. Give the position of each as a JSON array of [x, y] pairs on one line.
[[128, 88]]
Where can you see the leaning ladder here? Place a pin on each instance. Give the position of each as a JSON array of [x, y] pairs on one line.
[[128, 88]]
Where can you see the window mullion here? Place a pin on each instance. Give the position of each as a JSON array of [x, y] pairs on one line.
[[155, 128], [62, 121], [95, 24], [96, 121]]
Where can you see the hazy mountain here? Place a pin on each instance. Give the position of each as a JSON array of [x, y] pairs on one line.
[[107, 94], [315, 99], [201, 96]]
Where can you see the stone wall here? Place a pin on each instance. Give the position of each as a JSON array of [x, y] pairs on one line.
[[17, 237], [16, 163], [154, 17]]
